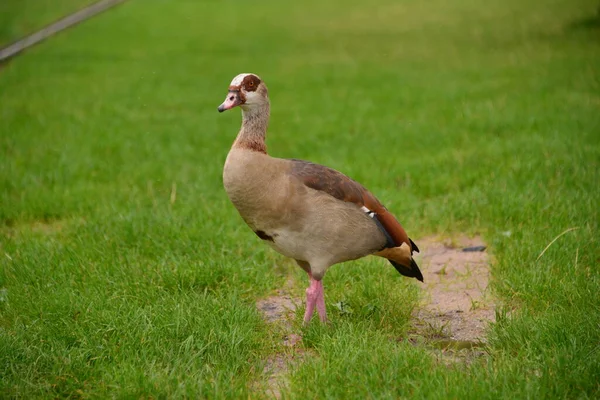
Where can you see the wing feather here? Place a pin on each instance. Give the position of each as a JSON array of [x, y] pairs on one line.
[[343, 188]]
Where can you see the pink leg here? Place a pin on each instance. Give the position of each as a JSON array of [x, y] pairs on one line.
[[321, 303], [315, 297]]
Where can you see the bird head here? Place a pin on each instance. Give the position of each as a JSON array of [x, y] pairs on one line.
[[246, 91]]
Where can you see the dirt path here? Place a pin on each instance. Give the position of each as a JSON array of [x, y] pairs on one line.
[[456, 303], [452, 318], [279, 311]]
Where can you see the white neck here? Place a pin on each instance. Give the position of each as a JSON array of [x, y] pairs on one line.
[[253, 132]]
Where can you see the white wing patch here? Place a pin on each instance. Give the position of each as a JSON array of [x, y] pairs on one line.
[[368, 212], [373, 215]]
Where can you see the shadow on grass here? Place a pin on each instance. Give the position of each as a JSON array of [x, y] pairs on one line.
[[588, 23]]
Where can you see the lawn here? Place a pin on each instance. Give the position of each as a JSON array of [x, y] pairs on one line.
[[126, 272], [19, 18]]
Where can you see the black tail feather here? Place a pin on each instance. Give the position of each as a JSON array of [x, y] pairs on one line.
[[412, 272], [414, 246]]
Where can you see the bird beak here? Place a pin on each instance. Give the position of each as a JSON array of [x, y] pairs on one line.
[[233, 99]]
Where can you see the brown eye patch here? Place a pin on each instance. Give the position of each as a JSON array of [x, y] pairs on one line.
[[250, 83]]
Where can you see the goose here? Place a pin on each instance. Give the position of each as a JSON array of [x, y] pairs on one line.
[[305, 211]]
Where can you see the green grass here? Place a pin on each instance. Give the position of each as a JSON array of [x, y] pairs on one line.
[[19, 18], [464, 117]]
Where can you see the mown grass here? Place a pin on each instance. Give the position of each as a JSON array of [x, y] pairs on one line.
[[126, 272], [19, 18]]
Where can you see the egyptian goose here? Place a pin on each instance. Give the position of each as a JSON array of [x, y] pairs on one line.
[[305, 211]]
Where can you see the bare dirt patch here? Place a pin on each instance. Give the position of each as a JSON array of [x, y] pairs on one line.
[[457, 306], [280, 307], [279, 310], [452, 317]]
